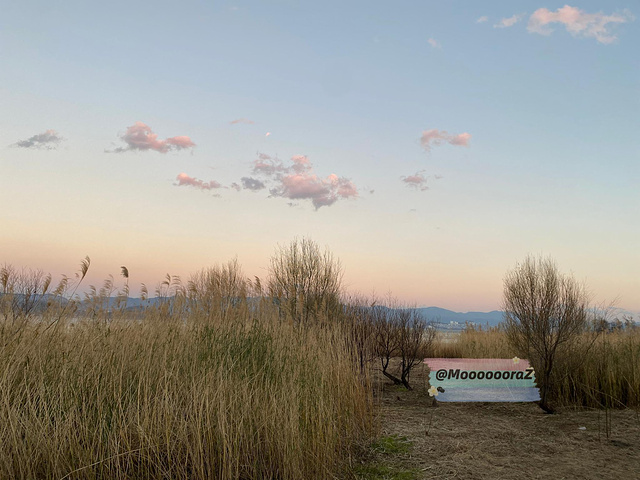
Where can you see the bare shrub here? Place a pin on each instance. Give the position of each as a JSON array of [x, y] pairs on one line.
[[22, 293], [545, 314], [305, 281], [27, 294], [402, 333]]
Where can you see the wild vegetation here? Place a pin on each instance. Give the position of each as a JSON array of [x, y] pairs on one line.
[[545, 314], [400, 333], [601, 370], [211, 381], [222, 376]]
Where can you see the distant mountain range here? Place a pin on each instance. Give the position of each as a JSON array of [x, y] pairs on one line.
[[443, 316], [446, 319]]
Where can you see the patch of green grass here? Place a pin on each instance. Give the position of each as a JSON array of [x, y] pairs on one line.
[[388, 446], [384, 472], [391, 445]]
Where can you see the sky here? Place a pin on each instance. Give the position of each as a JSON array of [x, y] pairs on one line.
[[429, 145]]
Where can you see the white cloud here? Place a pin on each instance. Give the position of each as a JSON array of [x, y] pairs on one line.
[[434, 136], [578, 23], [510, 21]]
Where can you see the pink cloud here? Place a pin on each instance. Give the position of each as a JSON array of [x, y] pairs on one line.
[[461, 140], [266, 165], [180, 142], [433, 42], [241, 120], [482, 19], [299, 182], [510, 21], [578, 23], [321, 192], [343, 187], [304, 186], [296, 181], [139, 136], [300, 163], [434, 136], [417, 181], [185, 180]]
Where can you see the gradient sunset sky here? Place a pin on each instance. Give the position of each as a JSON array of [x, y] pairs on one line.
[[430, 145]]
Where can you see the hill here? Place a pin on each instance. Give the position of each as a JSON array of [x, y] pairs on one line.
[[457, 320]]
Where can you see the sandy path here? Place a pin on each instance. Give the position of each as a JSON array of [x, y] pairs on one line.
[[507, 440]]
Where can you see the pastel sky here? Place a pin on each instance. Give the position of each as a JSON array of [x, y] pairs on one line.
[[430, 145]]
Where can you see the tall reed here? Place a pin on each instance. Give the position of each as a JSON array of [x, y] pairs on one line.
[[232, 394]]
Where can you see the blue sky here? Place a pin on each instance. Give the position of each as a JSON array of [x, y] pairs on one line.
[[437, 143]]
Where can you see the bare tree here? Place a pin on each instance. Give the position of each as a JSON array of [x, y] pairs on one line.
[[401, 333], [416, 338], [387, 340], [545, 313], [305, 281]]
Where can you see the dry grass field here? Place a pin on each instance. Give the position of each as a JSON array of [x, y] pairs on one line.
[[245, 399], [227, 378], [246, 395]]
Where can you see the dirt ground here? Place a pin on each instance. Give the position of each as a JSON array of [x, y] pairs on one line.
[[504, 440]]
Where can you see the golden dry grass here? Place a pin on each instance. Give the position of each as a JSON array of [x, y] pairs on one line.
[[208, 384], [471, 343], [179, 397]]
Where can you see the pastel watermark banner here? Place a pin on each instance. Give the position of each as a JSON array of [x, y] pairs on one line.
[[482, 380]]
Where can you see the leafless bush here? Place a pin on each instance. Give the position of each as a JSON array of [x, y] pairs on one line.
[[304, 281], [22, 293], [401, 332], [545, 314]]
